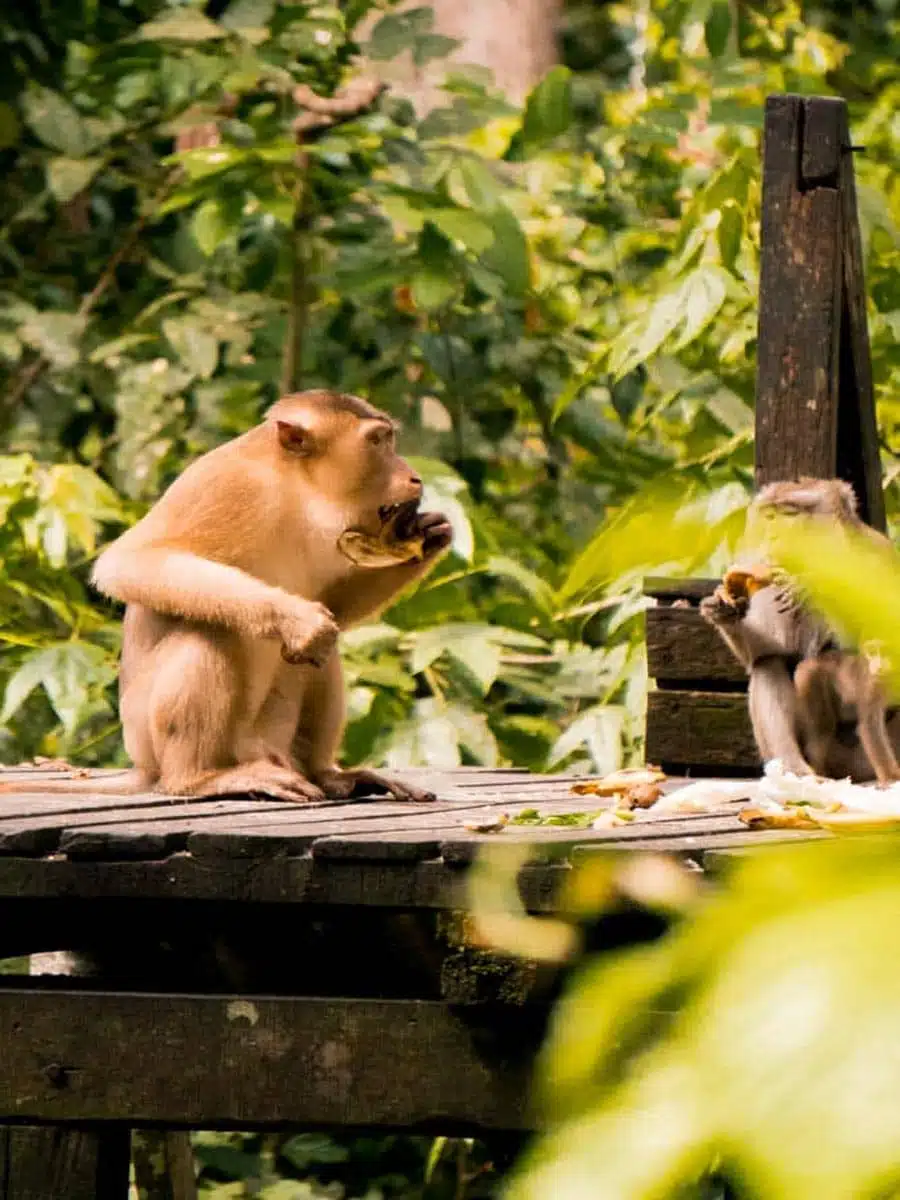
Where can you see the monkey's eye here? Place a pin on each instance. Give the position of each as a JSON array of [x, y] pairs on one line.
[[380, 435]]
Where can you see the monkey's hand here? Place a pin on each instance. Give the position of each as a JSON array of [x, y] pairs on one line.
[[308, 634], [722, 609], [341, 785], [436, 531]]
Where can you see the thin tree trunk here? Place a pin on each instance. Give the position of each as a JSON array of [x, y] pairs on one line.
[[515, 39]]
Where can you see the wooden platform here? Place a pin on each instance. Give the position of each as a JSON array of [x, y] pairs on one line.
[[364, 852]]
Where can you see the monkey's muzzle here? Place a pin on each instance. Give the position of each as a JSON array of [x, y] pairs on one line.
[[398, 541]]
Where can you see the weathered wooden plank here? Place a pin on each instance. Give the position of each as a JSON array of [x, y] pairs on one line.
[[682, 647], [700, 729], [56, 1163], [253, 832], [208, 1062], [858, 454], [800, 290]]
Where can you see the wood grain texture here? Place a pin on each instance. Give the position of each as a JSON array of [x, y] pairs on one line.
[[208, 1062], [800, 291], [681, 647], [701, 729], [858, 454], [61, 1164]]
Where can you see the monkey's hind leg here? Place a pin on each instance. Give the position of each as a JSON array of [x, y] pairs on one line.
[[194, 719], [773, 712], [818, 710], [858, 683]]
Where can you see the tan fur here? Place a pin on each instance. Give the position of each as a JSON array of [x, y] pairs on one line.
[[236, 592], [797, 717]]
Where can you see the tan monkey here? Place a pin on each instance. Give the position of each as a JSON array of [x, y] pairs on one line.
[[806, 693], [236, 591]]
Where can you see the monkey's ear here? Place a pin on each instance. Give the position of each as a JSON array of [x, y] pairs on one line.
[[295, 437]]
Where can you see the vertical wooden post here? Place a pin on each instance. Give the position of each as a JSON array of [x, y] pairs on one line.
[[815, 410], [63, 1163]]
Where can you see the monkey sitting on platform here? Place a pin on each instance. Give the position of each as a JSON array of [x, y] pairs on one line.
[[817, 707], [236, 589]]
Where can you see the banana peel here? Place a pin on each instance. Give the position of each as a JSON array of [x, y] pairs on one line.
[[397, 541], [618, 782], [741, 583]]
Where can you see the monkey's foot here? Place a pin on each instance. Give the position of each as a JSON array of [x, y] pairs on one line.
[[341, 785], [722, 609], [260, 779], [309, 637]]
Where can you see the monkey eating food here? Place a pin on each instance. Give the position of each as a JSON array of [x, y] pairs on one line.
[[237, 583], [815, 705], [398, 540]]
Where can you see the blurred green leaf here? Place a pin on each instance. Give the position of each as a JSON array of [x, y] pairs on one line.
[[548, 109]]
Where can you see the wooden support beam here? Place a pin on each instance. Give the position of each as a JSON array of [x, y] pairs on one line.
[[815, 411], [63, 1164], [207, 1062]]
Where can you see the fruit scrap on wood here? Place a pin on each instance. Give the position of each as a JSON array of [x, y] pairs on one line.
[[623, 782], [496, 825], [773, 818]]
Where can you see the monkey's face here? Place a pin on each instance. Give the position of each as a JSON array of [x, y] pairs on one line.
[[352, 462]]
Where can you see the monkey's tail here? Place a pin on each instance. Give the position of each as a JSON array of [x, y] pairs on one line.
[[124, 783]]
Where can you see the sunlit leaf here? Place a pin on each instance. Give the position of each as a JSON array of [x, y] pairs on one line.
[[186, 25], [56, 122], [69, 176], [548, 109], [191, 340]]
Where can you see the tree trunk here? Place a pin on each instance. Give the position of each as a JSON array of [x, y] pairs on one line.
[[515, 39]]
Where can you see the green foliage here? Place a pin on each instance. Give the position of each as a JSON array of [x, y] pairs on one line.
[[748, 1043]]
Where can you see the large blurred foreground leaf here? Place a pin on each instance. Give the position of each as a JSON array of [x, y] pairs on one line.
[[760, 1039]]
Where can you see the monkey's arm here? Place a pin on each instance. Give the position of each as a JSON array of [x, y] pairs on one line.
[[178, 583], [739, 626]]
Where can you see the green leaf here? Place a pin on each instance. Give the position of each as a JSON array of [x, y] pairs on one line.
[[56, 335], [69, 176], [248, 14], [690, 306], [67, 671], [431, 289], [508, 255], [431, 46], [473, 231], [729, 233], [479, 184], [717, 28], [56, 122], [394, 33], [703, 295], [197, 348], [211, 225], [118, 346], [188, 25], [548, 109], [473, 646], [306, 1149]]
